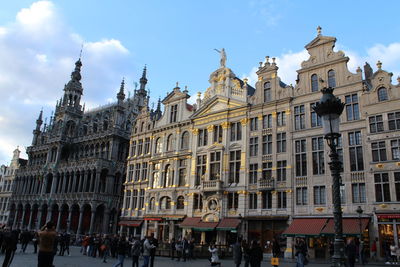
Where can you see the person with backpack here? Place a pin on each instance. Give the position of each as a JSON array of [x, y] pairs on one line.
[[122, 248], [172, 248], [135, 251], [179, 249], [147, 247]]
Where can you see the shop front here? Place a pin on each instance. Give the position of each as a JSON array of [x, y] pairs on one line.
[[164, 227], [388, 229], [202, 232], [131, 227], [227, 231]]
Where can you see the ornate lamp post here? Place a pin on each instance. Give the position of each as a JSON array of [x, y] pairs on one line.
[[329, 109], [360, 211]]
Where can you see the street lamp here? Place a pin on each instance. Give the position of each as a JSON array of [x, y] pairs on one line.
[[360, 211], [329, 108]]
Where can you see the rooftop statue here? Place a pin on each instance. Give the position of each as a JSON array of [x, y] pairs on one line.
[[223, 57]]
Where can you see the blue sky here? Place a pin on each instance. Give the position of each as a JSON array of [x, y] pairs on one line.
[[40, 40]]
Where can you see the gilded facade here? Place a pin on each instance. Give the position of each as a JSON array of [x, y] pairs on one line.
[[252, 161]]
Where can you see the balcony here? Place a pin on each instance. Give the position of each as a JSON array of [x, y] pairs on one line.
[[213, 185], [266, 184]]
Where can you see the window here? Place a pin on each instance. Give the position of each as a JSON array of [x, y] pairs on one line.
[[266, 200], [267, 144], [170, 142], [254, 124], [281, 170], [282, 200], [301, 196], [158, 145], [339, 150], [280, 142], [173, 113], [185, 140], [152, 203], [342, 194], [197, 202], [202, 138], [137, 172], [201, 168], [331, 78], [168, 176], [134, 199], [395, 144], [236, 131], [180, 203], [253, 201], [267, 121], [215, 165], [394, 120], [142, 126], [382, 187], [319, 195], [140, 147], [253, 173], [356, 153], [233, 200], [315, 119], [165, 203], [144, 171], [378, 151], [147, 145], [314, 83], [358, 192], [217, 134], [182, 172], [376, 124], [253, 146], [133, 148], [141, 198], [299, 118], [131, 169], [234, 166], [397, 185], [156, 176], [267, 91], [267, 170], [382, 94], [128, 200], [301, 158], [281, 118], [352, 110], [318, 155]]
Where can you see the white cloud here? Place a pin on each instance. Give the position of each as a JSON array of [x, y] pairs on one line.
[[37, 53]]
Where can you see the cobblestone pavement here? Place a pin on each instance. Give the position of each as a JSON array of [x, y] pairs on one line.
[[29, 259]]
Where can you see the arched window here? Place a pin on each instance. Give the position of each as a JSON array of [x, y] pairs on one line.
[[180, 203], [142, 126], [158, 146], [152, 204], [168, 176], [382, 94], [165, 203], [267, 91], [170, 142], [105, 125], [185, 140], [156, 176], [331, 78], [314, 83], [197, 202]]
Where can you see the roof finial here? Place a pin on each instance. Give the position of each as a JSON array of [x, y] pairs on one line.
[[143, 80], [80, 53], [379, 64], [319, 30], [245, 80]]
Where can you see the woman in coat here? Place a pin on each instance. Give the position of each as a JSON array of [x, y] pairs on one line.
[[214, 255], [256, 254]]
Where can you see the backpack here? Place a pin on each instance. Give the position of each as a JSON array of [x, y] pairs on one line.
[[141, 247]]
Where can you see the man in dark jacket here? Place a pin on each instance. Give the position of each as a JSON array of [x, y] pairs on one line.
[[10, 241], [237, 252], [136, 248], [122, 249], [154, 243], [256, 254], [351, 252]]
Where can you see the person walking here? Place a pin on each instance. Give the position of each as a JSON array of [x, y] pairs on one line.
[[25, 238], [136, 247], [10, 240], [154, 243], [105, 247], [393, 253], [47, 239], [35, 242], [237, 252], [256, 254], [276, 249], [122, 248], [301, 253], [246, 253], [147, 247], [214, 260], [172, 248], [351, 253]]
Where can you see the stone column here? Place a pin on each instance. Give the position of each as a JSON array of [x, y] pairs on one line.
[[15, 218], [38, 219], [64, 182], [92, 222], [49, 213], [22, 218], [54, 184], [80, 221], [97, 181], [106, 221], [82, 181], [30, 220], [58, 221], [69, 219]]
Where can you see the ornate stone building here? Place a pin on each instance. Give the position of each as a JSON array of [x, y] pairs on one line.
[[254, 161], [76, 164], [7, 177]]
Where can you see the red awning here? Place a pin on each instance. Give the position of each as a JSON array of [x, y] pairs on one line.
[[227, 224], [135, 223], [152, 219], [388, 216], [197, 224], [306, 227], [351, 226]]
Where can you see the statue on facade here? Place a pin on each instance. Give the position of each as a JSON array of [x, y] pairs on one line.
[[223, 57]]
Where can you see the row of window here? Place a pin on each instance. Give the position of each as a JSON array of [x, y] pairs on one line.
[[134, 199], [166, 203], [379, 150], [266, 200], [376, 122], [166, 179]]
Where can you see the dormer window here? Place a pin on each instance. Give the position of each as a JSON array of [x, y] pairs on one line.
[[382, 94], [267, 92], [331, 79], [314, 83], [173, 113]]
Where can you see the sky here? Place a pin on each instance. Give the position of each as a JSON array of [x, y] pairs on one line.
[[41, 40]]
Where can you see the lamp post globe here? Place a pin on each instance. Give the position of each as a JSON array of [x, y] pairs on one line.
[[329, 108]]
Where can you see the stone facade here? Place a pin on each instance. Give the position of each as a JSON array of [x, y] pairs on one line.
[[258, 155], [76, 164]]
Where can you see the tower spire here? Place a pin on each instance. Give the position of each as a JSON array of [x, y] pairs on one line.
[[121, 94], [143, 80]]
